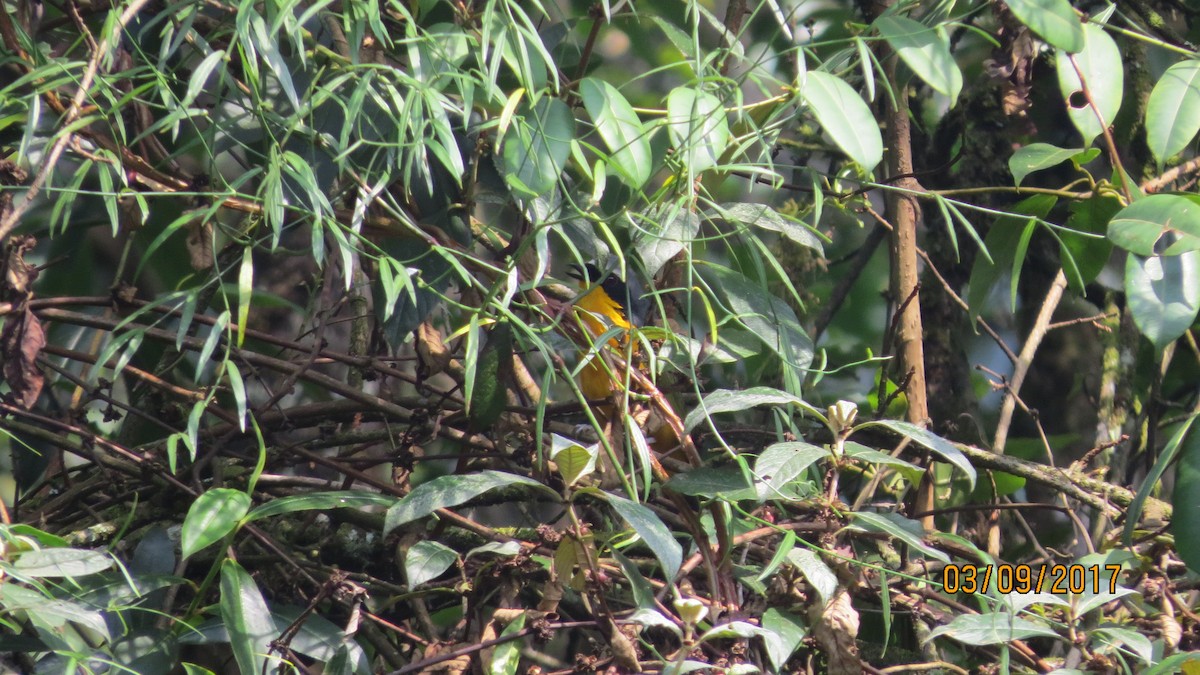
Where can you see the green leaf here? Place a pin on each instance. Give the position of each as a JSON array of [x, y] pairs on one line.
[[926, 50], [507, 656], [536, 147], [723, 482], [651, 529], [1185, 499], [61, 562], [769, 318], [1003, 240], [698, 127], [1166, 458], [768, 218], [1084, 257], [245, 291], [676, 229], [199, 76], [790, 630], [493, 372], [733, 400], [426, 561], [1102, 68], [906, 530], [931, 441], [1173, 664], [911, 472], [845, 117], [1163, 294], [991, 629], [818, 574], [447, 491], [246, 618], [781, 463], [1115, 636], [213, 515], [1139, 227], [572, 459], [320, 501], [621, 129], [1053, 20], [1088, 601], [1038, 156], [1173, 111]]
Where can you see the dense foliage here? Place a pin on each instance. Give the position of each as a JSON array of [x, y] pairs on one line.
[[295, 372]]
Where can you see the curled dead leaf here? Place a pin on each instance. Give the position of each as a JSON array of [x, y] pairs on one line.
[[835, 628], [435, 357], [22, 338]]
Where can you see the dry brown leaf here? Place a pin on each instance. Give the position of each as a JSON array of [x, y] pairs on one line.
[[200, 244], [430, 348], [22, 339], [835, 628], [456, 666]]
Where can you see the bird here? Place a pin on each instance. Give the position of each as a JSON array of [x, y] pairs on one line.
[[607, 301]]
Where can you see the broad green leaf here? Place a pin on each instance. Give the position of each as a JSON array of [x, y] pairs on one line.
[[572, 459], [1084, 257], [427, 560], [1115, 636], [639, 587], [1140, 226], [1053, 20], [621, 129], [1163, 294], [1173, 664], [536, 147], [723, 482], [926, 50], [312, 501], [648, 616], [1088, 601], [781, 463], [213, 515], [651, 529], [791, 631], [911, 472], [1038, 156], [51, 614], [507, 656], [733, 400], [247, 618], [768, 317], [818, 574], [1173, 111], [698, 127], [448, 491], [768, 218], [1103, 71], [906, 530], [673, 230], [1185, 500], [61, 562], [492, 373], [845, 117], [931, 441], [991, 629]]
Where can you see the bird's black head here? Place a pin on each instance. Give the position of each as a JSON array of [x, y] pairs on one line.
[[628, 293]]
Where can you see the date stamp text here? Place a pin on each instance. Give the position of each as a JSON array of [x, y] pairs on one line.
[[1058, 579]]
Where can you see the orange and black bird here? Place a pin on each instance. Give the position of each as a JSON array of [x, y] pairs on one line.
[[607, 301]]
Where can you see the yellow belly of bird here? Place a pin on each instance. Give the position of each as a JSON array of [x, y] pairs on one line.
[[595, 380]]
